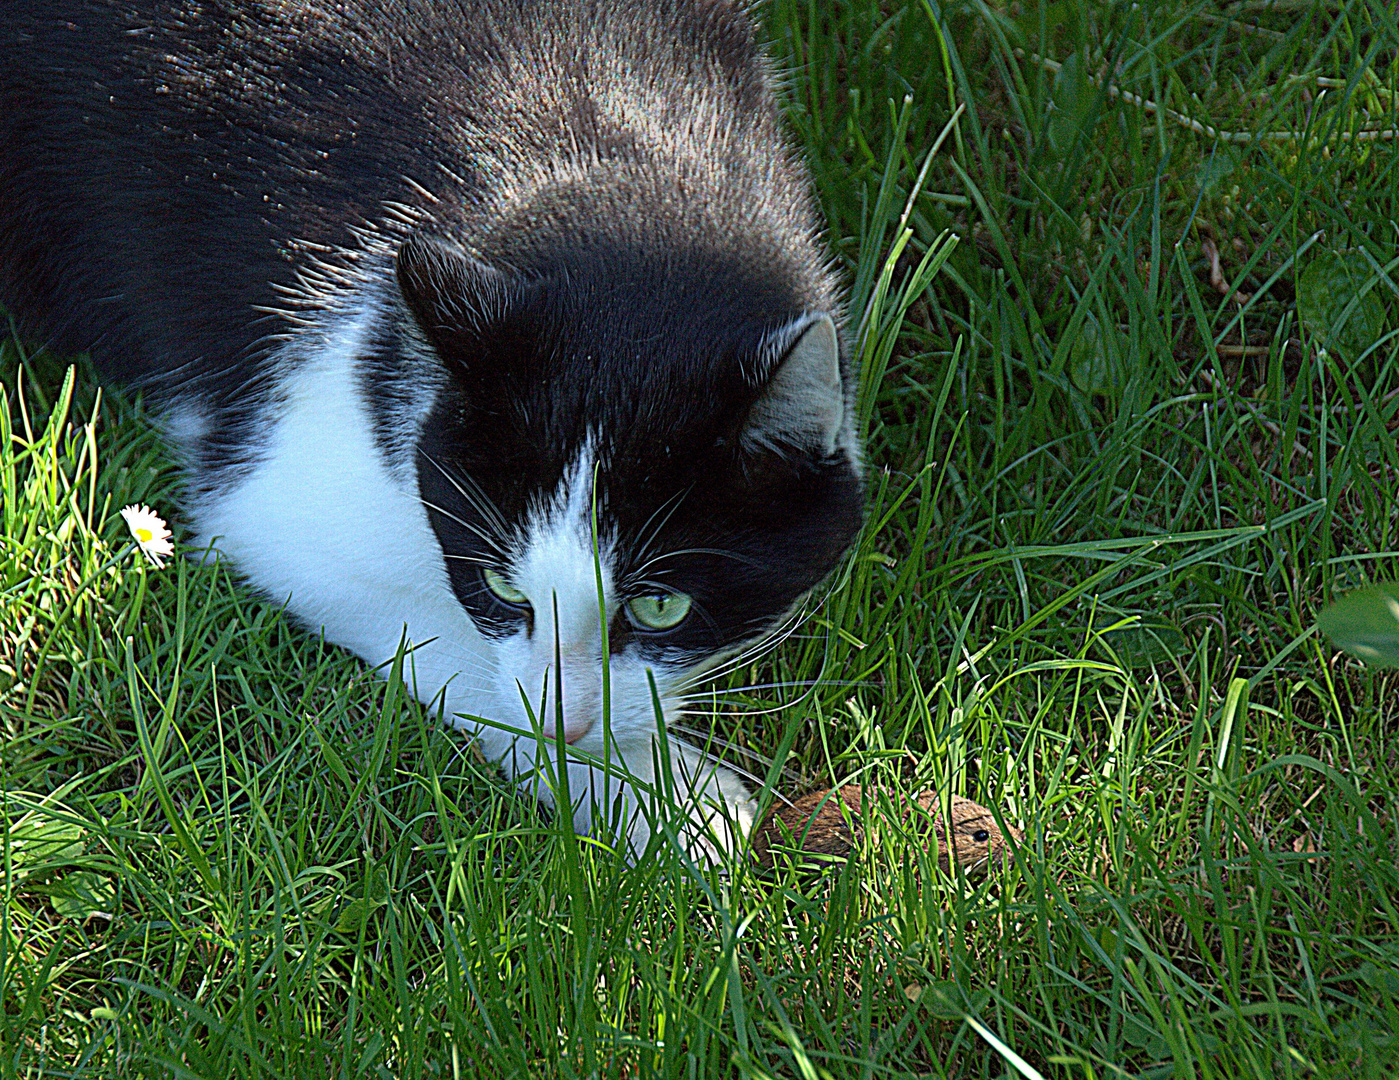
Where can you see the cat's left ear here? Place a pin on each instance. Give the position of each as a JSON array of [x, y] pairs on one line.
[[802, 405], [451, 295]]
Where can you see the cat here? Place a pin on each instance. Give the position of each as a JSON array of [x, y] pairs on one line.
[[461, 314]]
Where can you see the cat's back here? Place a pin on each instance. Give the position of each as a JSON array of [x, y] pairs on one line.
[[180, 178]]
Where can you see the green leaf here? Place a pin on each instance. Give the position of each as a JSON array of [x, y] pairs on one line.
[[39, 843], [1159, 1048], [1384, 979], [1338, 302], [1365, 623], [1090, 367], [355, 913], [942, 999], [1216, 168], [1139, 1031], [83, 894], [333, 759]]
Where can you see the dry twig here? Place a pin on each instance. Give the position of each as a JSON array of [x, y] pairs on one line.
[[1210, 132], [1217, 278]]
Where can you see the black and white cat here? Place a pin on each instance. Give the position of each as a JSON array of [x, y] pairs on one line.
[[422, 289]]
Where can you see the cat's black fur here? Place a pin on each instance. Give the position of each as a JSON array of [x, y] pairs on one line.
[[172, 172]]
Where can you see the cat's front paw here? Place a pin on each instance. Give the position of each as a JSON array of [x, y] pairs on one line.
[[701, 805], [638, 791]]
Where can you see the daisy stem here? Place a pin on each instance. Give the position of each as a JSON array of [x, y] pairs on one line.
[[133, 615]]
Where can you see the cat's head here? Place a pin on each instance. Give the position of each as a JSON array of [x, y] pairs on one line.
[[689, 422]]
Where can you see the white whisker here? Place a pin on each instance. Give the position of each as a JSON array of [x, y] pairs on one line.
[[750, 653], [471, 491], [755, 688], [493, 530], [708, 740], [692, 551], [468, 526], [469, 558], [644, 545]]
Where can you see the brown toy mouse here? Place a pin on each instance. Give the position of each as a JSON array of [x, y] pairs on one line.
[[816, 824]]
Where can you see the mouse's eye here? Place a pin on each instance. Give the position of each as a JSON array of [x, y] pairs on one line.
[[503, 589], [981, 836], [659, 610]]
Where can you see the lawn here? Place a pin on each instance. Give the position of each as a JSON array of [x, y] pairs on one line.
[[1126, 280]]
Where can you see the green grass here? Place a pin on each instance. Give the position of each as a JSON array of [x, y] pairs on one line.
[[1106, 503]]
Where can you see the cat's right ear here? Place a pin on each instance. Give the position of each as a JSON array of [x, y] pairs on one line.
[[452, 296], [803, 404]]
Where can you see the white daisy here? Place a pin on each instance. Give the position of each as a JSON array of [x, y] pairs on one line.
[[150, 532]]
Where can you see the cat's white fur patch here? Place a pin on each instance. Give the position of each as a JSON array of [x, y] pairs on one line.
[[184, 424], [324, 525]]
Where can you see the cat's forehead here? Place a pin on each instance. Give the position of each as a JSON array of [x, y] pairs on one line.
[[656, 395], [566, 509], [620, 484]]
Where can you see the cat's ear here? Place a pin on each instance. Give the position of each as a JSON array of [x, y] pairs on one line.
[[802, 404], [451, 295]]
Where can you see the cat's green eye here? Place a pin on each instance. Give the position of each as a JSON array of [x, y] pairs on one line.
[[503, 589], [658, 611]]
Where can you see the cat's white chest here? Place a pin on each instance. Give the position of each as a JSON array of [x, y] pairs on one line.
[[322, 524]]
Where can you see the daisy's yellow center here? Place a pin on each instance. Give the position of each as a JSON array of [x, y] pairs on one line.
[[144, 535]]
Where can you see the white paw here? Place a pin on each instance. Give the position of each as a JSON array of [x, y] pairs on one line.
[[695, 801]]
